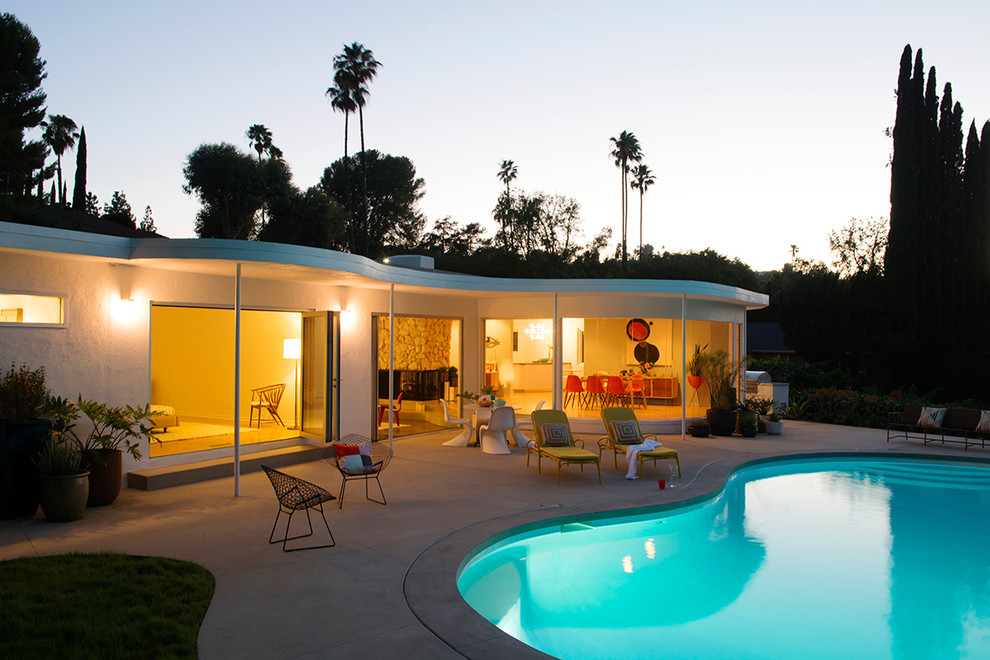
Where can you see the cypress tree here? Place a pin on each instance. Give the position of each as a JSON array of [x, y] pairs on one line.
[[79, 189]]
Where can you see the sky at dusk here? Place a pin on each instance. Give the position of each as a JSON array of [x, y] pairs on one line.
[[763, 122]]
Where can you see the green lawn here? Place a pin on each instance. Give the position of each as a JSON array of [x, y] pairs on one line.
[[101, 606]]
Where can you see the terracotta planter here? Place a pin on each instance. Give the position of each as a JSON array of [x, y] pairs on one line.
[[695, 381], [723, 422], [63, 499], [20, 443], [105, 480]]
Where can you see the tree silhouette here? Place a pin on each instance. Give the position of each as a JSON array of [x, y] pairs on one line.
[[506, 174], [642, 179], [79, 189], [22, 107], [260, 138], [59, 135], [625, 150]]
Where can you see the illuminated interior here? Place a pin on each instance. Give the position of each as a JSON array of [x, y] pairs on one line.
[[519, 359], [192, 373], [425, 351], [23, 308]]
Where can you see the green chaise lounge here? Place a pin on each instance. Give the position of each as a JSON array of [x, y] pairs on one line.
[[617, 445], [555, 442]]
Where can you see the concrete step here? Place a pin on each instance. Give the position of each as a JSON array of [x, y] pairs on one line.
[[188, 473]]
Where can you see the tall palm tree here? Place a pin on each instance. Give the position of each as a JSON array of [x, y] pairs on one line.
[[60, 134], [354, 68], [260, 138], [506, 174], [642, 179], [341, 101], [625, 150]]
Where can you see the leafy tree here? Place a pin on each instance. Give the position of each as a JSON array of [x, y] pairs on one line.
[[119, 210], [22, 106], [859, 246], [311, 218], [60, 134], [230, 187], [394, 192], [642, 179], [79, 189], [148, 223], [625, 150], [92, 206]]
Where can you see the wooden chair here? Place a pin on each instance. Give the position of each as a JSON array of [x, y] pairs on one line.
[[396, 408], [295, 494], [266, 398]]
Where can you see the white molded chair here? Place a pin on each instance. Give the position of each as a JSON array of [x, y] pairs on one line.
[[463, 438], [493, 440], [521, 438]]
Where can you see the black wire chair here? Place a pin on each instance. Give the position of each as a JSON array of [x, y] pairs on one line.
[[295, 494], [380, 457]]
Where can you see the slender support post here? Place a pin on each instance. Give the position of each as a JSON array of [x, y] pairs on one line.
[[391, 361], [558, 364], [683, 366], [237, 382]]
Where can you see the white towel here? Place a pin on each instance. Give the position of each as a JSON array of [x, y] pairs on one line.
[[633, 450]]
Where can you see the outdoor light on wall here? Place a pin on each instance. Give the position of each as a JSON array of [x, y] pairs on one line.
[[536, 331], [125, 310], [292, 350]]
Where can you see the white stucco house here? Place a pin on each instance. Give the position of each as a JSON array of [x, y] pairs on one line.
[[195, 325]]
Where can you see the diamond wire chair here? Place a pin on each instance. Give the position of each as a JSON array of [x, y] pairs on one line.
[[380, 457], [295, 494]]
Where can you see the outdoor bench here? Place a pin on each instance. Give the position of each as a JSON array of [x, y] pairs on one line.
[[959, 425]]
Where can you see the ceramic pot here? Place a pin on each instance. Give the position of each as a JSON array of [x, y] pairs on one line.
[[723, 422], [105, 480], [775, 428], [20, 443], [63, 498], [696, 381]]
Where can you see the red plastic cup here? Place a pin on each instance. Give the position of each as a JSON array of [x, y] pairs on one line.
[[662, 483]]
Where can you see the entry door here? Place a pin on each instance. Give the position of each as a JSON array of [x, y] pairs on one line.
[[318, 375]]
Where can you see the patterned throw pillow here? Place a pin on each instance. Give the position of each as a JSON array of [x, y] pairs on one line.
[[555, 435], [626, 432], [931, 417], [984, 423], [354, 459]]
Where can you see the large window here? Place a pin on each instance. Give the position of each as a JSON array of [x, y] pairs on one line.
[[29, 309]]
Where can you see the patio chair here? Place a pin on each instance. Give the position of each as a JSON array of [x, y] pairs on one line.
[[295, 494], [595, 391], [358, 457], [396, 409], [554, 441], [266, 398], [493, 440], [618, 444], [615, 391], [463, 438], [573, 391], [523, 425]]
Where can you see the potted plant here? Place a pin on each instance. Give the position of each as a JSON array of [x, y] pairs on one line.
[[699, 428], [64, 484], [115, 429], [747, 420], [453, 376], [763, 407], [695, 366], [775, 423], [488, 395], [23, 434], [720, 372]]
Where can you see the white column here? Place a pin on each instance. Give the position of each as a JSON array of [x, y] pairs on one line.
[[683, 366], [391, 360], [558, 363], [237, 382]]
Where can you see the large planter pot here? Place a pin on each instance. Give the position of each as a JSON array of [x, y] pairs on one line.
[[723, 422], [699, 430], [63, 499], [20, 443], [105, 480]]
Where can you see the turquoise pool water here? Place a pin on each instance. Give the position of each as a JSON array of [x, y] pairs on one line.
[[857, 558]]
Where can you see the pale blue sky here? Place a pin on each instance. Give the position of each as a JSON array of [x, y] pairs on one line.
[[763, 122]]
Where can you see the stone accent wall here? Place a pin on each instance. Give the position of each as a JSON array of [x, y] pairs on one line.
[[420, 344]]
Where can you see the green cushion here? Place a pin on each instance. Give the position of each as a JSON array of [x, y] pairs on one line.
[[570, 453]]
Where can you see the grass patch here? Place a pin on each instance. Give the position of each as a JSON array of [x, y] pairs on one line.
[[102, 606]]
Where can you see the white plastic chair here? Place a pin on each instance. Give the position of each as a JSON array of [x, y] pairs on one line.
[[521, 438], [493, 439], [463, 438]]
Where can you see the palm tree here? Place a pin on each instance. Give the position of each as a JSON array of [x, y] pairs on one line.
[[354, 69], [260, 138], [341, 101], [59, 135], [626, 149], [507, 173], [642, 179]]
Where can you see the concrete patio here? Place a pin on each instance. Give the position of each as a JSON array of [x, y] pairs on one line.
[[388, 588]]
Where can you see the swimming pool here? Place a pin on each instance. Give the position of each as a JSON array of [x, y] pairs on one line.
[[838, 558]]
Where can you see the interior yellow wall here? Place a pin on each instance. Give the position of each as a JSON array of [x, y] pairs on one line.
[[192, 360]]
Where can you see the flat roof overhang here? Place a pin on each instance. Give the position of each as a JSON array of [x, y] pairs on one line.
[[279, 261]]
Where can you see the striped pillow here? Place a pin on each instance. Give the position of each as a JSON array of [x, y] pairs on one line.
[[931, 417], [626, 432], [984, 423], [555, 435]]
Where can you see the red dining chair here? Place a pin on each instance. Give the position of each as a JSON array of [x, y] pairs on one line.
[[615, 391], [637, 386], [595, 391], [573, 390]]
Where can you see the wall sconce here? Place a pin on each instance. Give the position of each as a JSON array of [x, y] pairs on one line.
[[125, 310], [536, 331]]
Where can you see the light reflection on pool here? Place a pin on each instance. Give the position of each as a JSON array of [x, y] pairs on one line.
[[856, 558]]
